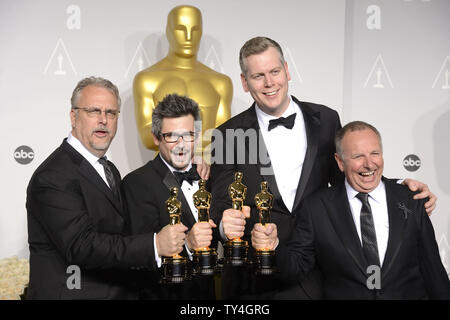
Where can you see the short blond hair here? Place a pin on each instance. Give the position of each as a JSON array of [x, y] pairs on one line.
[[255, 46]]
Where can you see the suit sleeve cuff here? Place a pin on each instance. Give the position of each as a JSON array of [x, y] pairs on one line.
[[222, 232], [189, 252], [157, 257]]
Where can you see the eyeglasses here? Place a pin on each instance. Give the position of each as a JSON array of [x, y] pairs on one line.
[[93, 112], [172, 137]]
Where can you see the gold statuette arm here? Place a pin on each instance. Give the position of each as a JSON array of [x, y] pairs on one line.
[[143, 107], [225, 90]]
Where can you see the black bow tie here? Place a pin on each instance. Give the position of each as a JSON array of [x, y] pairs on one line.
[[287, 122], [190, 176]]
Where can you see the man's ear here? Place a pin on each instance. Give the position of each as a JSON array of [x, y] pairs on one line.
[[155, 139], [73, 117], [339, 161], [244, 83], [287, 71]]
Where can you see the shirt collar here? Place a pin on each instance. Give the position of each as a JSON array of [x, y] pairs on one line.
[[77, 145], [172, 169], [264, 118], [376, 194]]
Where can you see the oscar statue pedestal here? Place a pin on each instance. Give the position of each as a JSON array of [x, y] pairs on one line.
[[174, 269], [205, 261], [236, 252]]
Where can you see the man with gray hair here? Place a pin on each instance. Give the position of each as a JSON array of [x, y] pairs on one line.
[[77, 228], [368, 235], [176, 126]]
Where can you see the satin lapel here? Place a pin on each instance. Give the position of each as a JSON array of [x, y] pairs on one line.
[[340, 215], [261, 159], [312, 127], [168, 179], [396, 224]]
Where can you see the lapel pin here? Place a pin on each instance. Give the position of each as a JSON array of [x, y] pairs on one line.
[[405, 210]]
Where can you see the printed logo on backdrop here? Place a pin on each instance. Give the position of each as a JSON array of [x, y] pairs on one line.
[[373, 21], [444, 251], [59, 63], [24, 154], [442, 79], [412, 162], [293, 70], [139, 62], [74, 20], [212, 60], [379, 76]]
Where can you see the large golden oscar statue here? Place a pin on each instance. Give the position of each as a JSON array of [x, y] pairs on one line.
[[180, 72]]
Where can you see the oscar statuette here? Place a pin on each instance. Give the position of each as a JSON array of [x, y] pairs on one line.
[[265, 258], [175, 267], [205, 258], [182, 73], [236, 249]]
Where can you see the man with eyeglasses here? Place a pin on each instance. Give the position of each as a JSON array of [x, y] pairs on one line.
[[175, 126], [77, 228]]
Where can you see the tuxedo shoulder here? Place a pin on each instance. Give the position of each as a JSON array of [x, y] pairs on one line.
[[400, 191], [315, 107], [239, 120], [56, 166], [139, 174], [393, 185]]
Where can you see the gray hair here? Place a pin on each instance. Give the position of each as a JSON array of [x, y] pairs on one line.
[[350, 127], [173, 106], [94, 81], [257, 45]]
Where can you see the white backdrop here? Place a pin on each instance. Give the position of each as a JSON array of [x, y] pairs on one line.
[[383, 61]]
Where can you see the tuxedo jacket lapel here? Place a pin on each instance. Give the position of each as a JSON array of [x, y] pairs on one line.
[[397, 223], [340, 214], [90, 174], [118, 180], [312, 127], [169, 180]]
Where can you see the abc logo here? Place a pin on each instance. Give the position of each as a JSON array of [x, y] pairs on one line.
[[411, 162], [24, 155]]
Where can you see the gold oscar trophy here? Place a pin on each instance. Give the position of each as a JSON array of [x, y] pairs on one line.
[[180, 72], [174, 268], [265, 258], [236, 249], [205, 258]]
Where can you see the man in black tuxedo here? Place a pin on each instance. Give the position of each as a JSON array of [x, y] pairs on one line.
[[368, 236], [287, 142], [77, 229], [145, 190]]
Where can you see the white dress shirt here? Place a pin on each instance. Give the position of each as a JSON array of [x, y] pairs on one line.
[[287, 150], [188, 191], [92, 159], [378, 204]]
